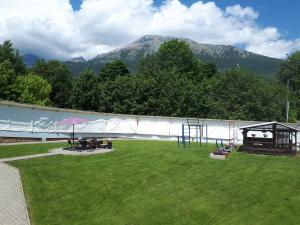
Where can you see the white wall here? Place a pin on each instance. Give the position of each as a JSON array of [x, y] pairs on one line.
[[19, 120]]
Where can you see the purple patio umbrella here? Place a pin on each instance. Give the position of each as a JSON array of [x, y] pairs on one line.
[[72, 121]]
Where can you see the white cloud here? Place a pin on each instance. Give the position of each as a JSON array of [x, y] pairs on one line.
[[242, 13], [53, 30], [276, 48]]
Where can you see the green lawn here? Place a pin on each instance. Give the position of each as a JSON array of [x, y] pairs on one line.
[[27, 149], [144, 182]]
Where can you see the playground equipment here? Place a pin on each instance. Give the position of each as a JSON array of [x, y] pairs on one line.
[[232, 133], [222, 151], [220, 148], [192, 130]]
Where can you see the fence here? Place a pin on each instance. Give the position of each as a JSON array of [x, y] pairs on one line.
[[30, 121]]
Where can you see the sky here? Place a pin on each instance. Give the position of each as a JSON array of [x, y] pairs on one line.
[[65, 29]]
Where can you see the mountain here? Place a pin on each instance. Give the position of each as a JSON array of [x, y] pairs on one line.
[[224, 56], [77, 59], [30, 59]]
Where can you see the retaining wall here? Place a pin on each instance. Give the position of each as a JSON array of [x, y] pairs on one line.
[[30, 121]]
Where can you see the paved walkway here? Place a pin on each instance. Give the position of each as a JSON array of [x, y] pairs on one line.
[[28, 157], [31, 142], [13, 209]]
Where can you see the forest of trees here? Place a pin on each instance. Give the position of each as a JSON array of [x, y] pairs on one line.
[[171, 82]]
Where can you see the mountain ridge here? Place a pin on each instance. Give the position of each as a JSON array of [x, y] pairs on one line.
[[30, 59], [224, 56], [76, 59]]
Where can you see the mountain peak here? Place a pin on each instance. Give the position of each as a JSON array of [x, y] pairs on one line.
[[224, 56], [30, 59], [148, 37], [153, 42], [152, 37], [77, 59]]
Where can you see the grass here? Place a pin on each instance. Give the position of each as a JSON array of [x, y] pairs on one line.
[[27, 149], [148, 182]]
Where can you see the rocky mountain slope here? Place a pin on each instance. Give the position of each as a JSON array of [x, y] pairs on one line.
[[30, 59], [224, 56]]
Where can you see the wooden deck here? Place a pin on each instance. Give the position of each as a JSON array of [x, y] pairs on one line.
[[267, 151]]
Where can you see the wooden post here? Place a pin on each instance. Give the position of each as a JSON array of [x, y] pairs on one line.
[[201, 133], [296, 140], [73, 136], [275, 136], [183, 136], [197, 136], [206, 134], [229, 135], [291, 134], [189, 134], [244, 136], [245, 131]]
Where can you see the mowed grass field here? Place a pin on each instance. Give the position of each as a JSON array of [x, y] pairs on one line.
[[153, 182], [8, 151]]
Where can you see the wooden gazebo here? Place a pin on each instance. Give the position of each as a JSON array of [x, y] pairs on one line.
[[269, 138]]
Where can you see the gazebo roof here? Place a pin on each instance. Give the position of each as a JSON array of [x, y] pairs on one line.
[[269, 126]]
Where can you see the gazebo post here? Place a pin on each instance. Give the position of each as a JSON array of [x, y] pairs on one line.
[[291, 134], [275, 136], [296, 140], [245, 131]]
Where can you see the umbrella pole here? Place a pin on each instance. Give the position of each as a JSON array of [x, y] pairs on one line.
[[73, 137]]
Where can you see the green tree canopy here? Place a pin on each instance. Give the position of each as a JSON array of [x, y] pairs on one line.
[[113, 69], [290, 71], [176, 55], [238, 94], [7, 52], [174, 59], [33, 89], [60, 78], [11, 65], [174, 75], [7, 80], [85, 91], [171, 82]]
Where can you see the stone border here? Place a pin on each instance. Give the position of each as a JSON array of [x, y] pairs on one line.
[[32, 142], [27, 157], [23, 198], [61, 151], [13, 208]]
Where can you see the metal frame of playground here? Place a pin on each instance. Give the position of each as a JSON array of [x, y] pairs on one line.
[[198, 126]]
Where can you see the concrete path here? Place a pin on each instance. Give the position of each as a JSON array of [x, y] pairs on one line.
[[31, 142], [28, 157], [13, 209]]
